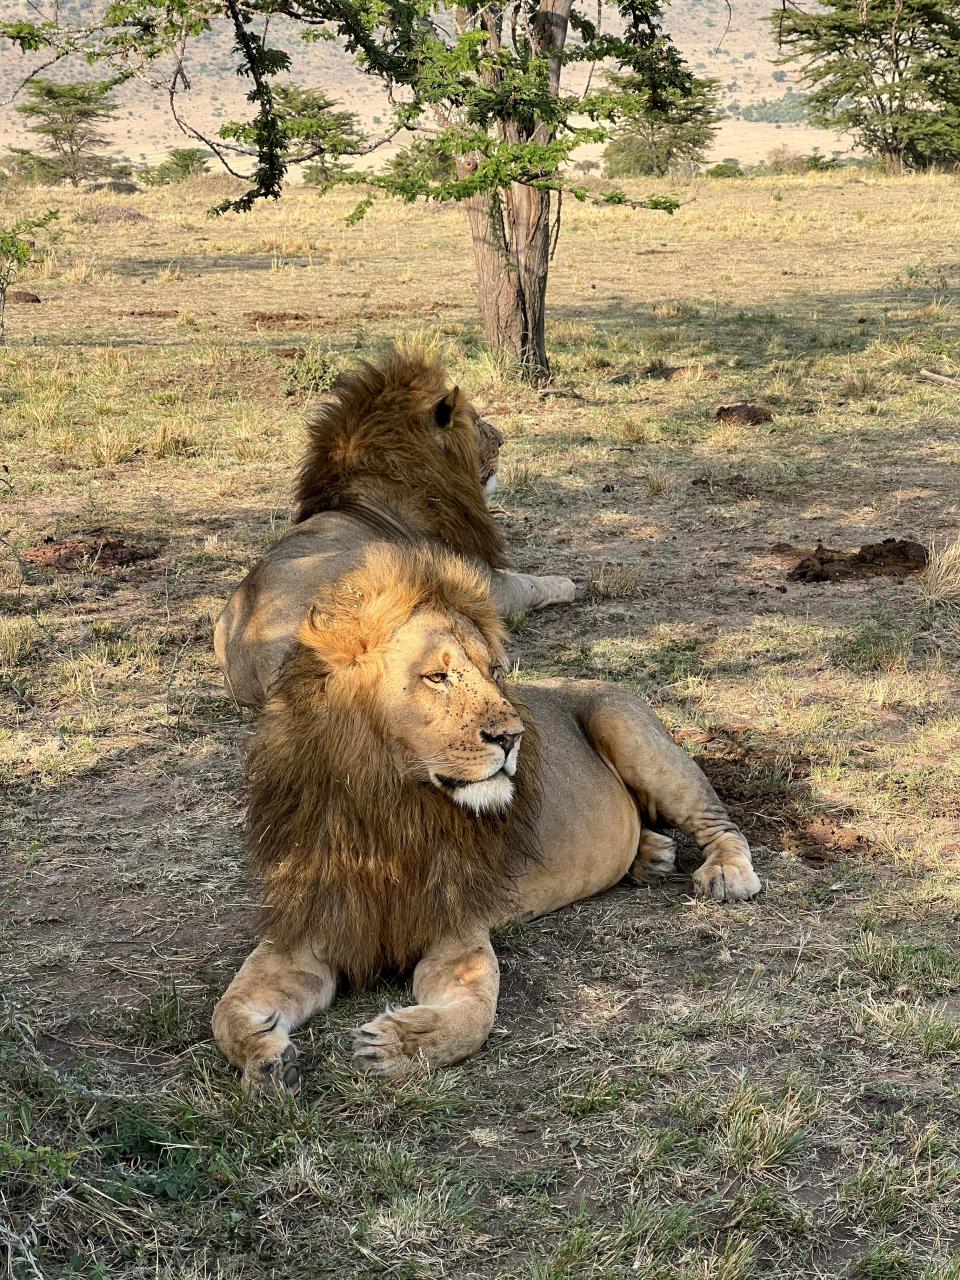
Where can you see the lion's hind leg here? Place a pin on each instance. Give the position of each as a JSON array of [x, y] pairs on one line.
[[670, 788], [656, 858], [273, 992], [455, 986]]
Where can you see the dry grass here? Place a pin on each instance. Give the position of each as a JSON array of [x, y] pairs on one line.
[[673, 1090], [17, 638], [615, 581], [940, 583]]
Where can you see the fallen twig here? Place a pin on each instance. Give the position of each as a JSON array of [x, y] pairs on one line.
[[927, 376]]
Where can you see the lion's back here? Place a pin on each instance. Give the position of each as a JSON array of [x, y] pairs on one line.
[[258, 625]]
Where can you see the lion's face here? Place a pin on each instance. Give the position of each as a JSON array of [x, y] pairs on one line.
[[443, 703], [490, 441]]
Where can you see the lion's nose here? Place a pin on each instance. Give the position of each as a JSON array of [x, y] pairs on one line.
[[505, 741]]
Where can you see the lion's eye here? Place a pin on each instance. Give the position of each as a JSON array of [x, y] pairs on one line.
[[437, 677]]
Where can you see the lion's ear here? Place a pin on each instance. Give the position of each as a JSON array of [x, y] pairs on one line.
[[444, 410]]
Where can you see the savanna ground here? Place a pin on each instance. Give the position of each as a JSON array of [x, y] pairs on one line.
[[674, 1089]]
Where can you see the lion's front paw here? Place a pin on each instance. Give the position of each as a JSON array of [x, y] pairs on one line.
[[392, 1043], [730, 879], [276, 1073], [655, 860]]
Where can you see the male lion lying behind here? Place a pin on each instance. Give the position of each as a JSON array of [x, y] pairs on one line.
[[404, 800], [394, 455]]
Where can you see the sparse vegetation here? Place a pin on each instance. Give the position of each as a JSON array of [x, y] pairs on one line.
[[17, 251], [791, 108]]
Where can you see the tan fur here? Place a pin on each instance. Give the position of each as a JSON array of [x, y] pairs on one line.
[[369, 861], [331, 867], [398, 455]]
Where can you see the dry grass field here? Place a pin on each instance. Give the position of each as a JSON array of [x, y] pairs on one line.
[[674, 1089]]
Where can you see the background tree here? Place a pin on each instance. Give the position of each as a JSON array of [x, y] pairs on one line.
[[422, 163], [67, 118], [485, 82], [180, 164], [661, 132], [311, 120], [888, 71]]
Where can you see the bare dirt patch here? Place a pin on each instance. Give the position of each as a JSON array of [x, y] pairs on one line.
[[91, 550], [280, 319], [891, 558]]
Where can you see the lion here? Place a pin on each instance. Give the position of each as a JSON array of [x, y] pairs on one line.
[[405, 799], [395, 455]]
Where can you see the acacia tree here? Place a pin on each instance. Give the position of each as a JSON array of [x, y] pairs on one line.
[[888, 71], [311, 119], [652, 139], [68, 119], [485, 86]]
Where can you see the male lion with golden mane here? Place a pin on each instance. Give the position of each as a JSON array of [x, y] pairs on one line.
[[405, 799], [395, 455]]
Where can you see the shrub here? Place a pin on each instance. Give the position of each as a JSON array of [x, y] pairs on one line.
[[725, 169], [180, 164]]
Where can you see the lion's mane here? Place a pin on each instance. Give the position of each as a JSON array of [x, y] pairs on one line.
[[355, 853], [378, 437]]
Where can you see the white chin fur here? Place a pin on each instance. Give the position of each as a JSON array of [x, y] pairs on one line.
[[490, 487], [483, 797]]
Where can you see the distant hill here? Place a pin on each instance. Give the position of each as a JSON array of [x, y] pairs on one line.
[[735, 47]]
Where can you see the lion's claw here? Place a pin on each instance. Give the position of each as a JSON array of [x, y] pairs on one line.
[[280, 1073], [728, 881]]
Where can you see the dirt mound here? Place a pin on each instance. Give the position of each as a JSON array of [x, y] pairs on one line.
[[115, 215], [891, 558], [745, 415], [22, 295], [276, 319], [88, 551]]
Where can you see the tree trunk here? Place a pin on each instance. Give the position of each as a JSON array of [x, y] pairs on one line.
[[511, 232], [892, 161], [512, 257]]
